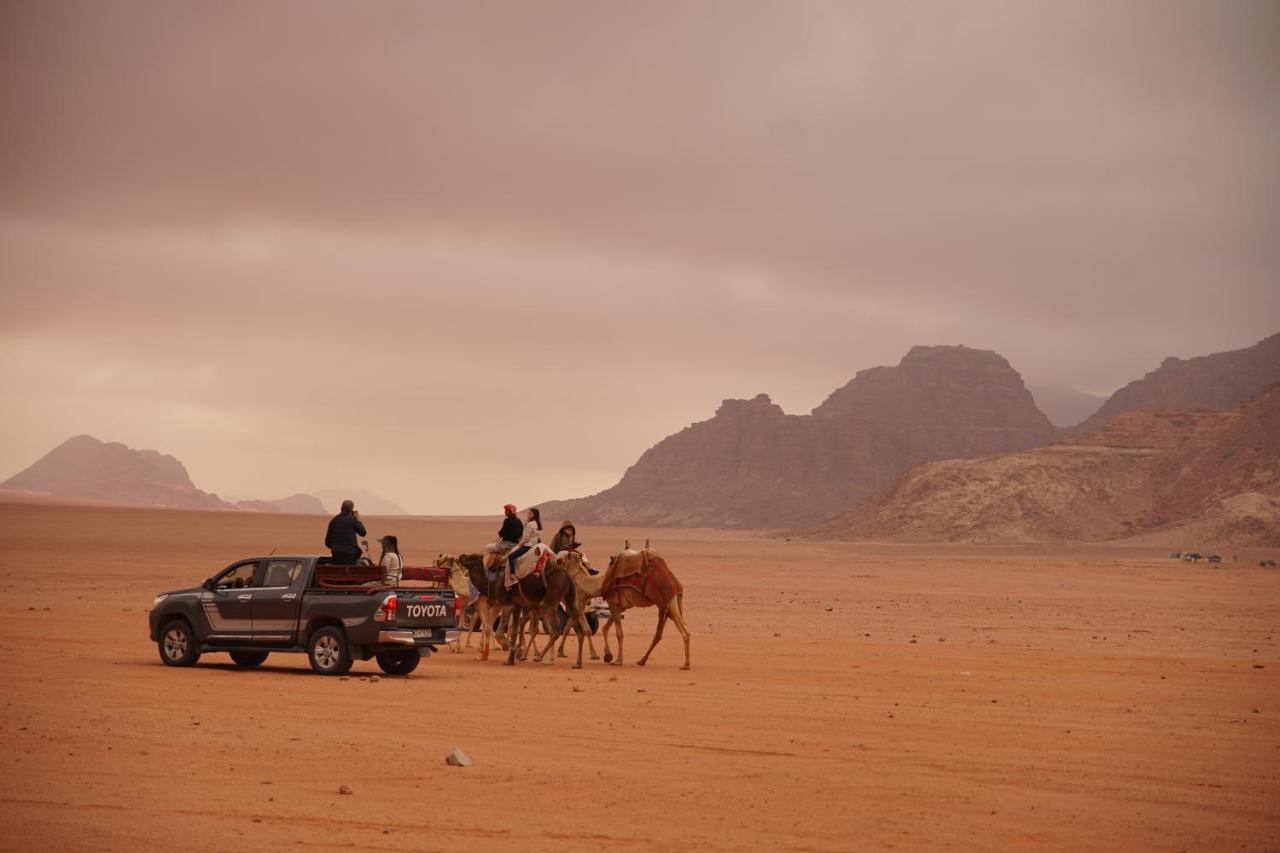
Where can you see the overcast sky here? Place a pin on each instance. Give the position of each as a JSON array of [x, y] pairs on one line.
[[465, 253]]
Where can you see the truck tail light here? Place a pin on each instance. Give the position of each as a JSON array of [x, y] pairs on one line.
[[387, 612]]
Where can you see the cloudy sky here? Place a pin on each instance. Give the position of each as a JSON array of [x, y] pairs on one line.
[[463, 253]]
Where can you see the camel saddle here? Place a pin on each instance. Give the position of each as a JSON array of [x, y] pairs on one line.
[[532, 562], [646, 573]]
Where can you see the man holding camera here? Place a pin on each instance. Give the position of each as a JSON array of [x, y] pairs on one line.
[[340, 538]]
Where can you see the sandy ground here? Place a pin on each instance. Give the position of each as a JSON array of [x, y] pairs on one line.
[[842, 697]]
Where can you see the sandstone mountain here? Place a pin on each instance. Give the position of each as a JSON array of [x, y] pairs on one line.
[[84, 468], [299, 504], [1196, 478], [1065, 407], [752, 465], [1220, 381]]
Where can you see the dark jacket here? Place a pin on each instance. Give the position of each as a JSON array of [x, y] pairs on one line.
[[342, 532], [512, 529]]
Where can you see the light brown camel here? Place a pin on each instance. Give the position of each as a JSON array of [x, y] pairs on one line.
[[586, 586], [640, 579], [460, 583]]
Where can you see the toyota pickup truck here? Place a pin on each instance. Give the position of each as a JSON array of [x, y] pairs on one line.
[[334, 614]]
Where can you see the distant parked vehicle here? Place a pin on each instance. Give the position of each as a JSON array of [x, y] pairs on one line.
[[333, 614]]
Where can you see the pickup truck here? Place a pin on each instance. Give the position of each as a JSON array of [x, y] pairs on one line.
[[276, 603]]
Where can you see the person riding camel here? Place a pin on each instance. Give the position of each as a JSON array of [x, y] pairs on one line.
[[532, 536], [392, 563], [566, 540], [509, 535]]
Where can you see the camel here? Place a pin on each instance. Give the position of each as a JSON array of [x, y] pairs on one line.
[[493, 601], [586, 587], [460, 583], [529, 601], [538, 597], [641, 579]]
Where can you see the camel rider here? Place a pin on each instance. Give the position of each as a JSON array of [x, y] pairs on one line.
[[566, 540], [509, 535], [531, 536]]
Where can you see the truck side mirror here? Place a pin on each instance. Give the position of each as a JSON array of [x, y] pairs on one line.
[[208, 583]]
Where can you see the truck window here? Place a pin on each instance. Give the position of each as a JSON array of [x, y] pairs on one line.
[[238, 577], [281, 573]]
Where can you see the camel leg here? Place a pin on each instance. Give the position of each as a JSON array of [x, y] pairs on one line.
[[657, 635], [554, 634], [514, 640], [483, 608], [531, 624], [677, 616], [616, 622], [584, 630], [456, 646]]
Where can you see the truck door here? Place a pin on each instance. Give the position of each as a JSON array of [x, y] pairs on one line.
[[229, 606], [276, 602]]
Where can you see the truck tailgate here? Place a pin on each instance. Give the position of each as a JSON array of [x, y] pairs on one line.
[[424, 608]]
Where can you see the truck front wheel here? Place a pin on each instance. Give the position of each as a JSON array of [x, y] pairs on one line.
[[177, 644], [328, 651], [399, 663]]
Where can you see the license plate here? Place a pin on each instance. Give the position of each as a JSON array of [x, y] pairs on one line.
[[422, 632]]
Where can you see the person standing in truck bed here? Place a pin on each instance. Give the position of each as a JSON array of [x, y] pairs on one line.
[[340, 538]]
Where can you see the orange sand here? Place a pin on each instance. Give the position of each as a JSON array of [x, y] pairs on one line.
[[1100, 699]]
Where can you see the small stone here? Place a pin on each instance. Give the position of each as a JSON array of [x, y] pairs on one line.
[[912, 641], [830, 607], [639, 689], [344, 789], [373, 678], [577, 689], [364, 678], [1259, 666], [344, 678], [1257, 710], [457, 758], [613, 678]]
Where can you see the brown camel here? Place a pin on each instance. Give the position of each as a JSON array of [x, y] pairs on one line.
[[538, 597], [586, 586], [494, 601], [640, 579]]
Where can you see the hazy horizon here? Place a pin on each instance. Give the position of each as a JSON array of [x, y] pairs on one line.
[[461, 254]]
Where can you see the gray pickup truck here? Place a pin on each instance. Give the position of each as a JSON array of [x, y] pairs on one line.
[[284, 604]]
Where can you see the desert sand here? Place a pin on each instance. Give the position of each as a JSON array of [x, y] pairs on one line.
[[842, 697]]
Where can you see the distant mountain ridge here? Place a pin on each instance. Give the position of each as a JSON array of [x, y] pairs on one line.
[[752, 465], [1065, 407], [1200, 475], [85, 468], [1219, 381]]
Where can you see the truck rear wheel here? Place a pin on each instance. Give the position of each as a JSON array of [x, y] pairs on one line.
[[328, 652], [177, 644], [399, 663], [249, 658]]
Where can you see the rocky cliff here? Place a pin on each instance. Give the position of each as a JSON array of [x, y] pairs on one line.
[[1197, 478], [752, 465], [87, 469], [1220, 381]]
